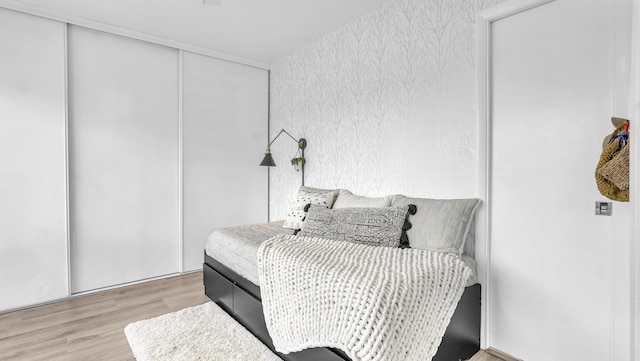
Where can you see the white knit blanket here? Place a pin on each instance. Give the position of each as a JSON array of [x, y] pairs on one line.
[[374, 303]]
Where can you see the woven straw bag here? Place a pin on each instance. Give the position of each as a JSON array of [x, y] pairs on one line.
[[617, 169], [612, 171]]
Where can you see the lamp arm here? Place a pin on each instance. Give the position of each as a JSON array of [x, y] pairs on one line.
[[300, 143]]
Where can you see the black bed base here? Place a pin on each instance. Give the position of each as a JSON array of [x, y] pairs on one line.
[[241, 299]]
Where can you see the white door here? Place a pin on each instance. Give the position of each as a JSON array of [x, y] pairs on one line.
[[553, 261], [33, 231], [224, 130], [124, 169]]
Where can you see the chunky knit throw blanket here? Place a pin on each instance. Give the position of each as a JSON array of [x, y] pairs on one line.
[[374, 303]]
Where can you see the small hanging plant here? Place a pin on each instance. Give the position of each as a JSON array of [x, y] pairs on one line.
[[298, 162]]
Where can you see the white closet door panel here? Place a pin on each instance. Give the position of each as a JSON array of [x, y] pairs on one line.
[[225, 133], [123, 121], [33, 236]]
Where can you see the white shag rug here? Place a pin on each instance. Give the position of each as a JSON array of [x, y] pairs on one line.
[[202, 332]]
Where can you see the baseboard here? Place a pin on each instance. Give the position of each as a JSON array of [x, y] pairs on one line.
[[497, 353]]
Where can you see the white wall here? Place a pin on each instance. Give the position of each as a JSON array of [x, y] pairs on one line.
[[387, 104]]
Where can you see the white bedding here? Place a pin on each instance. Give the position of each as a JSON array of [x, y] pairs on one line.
[[237, 248], [375, 303]]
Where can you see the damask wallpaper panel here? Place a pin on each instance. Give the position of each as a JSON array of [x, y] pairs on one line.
[[387, 104]]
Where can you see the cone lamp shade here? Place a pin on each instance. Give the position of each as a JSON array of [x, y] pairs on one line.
[[268, 160]]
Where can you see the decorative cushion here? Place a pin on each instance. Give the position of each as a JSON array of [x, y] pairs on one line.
[[347, 199], [372, 226], [440, 225], [320, 190], [296, 214]]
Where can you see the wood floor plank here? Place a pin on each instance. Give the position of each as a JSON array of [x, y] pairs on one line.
[[484, 356], [91, 327]]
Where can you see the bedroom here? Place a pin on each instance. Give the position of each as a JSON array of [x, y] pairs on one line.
[[423, 138]]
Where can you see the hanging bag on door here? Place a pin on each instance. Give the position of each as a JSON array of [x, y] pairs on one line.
[[612, 171]]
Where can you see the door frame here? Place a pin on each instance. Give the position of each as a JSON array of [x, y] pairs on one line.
[[484, 20], [634, 112]]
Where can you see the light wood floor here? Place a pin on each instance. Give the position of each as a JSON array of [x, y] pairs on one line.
[[91, 327], [485, 356]]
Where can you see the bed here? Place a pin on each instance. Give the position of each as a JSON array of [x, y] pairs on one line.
[[232, 279]]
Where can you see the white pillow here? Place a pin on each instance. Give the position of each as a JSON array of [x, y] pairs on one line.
[[440, 225], [320, 190], [297, 213], [347, 199]]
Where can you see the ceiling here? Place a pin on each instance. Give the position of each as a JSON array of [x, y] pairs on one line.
[[256, 30]]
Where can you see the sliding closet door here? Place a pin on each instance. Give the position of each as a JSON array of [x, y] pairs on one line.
[[225, 133], [33, 235], [123, 140]]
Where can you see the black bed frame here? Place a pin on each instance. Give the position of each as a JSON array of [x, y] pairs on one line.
[[241, 299]]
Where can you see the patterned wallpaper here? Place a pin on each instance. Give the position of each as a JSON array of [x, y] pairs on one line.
[[387, 104]]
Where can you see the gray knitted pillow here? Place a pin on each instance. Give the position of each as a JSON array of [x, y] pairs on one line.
[[372, 226]]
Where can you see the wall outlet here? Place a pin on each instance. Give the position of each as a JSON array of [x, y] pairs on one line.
[[603, 208]]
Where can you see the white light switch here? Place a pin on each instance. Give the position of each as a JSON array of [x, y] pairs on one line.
[[603, 208]]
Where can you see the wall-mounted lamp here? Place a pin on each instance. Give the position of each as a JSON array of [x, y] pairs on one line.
[[268, 159]]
